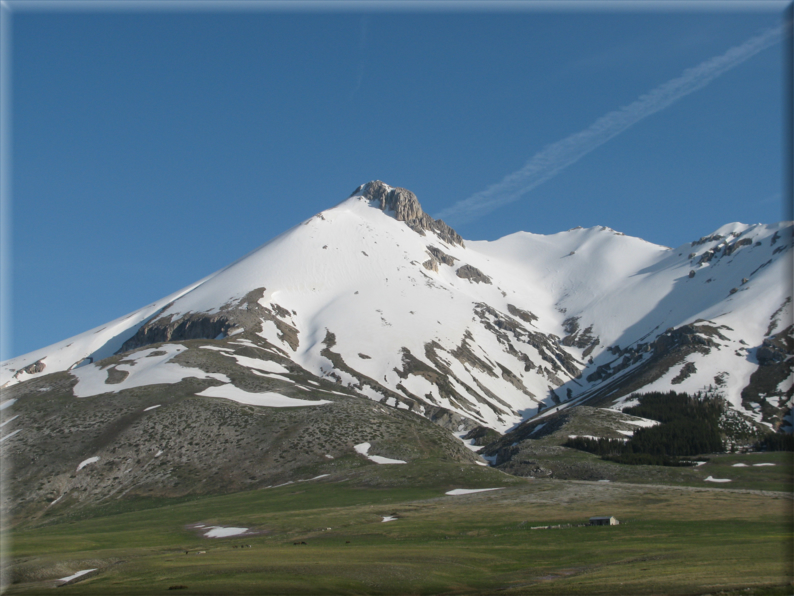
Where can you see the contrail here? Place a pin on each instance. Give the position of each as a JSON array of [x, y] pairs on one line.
[[554, 158]]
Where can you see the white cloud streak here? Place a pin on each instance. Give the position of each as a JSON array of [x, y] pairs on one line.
[[554, 158]]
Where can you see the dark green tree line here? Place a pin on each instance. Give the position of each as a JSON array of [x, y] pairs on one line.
[[689, 425]]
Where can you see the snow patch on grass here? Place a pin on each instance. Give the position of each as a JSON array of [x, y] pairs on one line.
[[469, 443], [255, 363], [363, 449], [644, 422], [9, 420], [76, 575], [596, 438], [221, 532], [467, 491], [711, 479], [270, 400], [85, 462], [8, 436]]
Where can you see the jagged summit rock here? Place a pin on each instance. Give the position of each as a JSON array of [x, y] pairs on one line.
[[403, 205]]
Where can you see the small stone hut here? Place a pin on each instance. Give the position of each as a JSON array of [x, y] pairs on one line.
[[603, 520]]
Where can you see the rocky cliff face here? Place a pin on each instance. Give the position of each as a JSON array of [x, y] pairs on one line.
[[404, 206], [234, 317]]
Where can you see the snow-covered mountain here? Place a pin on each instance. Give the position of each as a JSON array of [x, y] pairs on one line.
[[393, 306]]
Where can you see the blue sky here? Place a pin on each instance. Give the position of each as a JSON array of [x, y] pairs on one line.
[[151, 149]]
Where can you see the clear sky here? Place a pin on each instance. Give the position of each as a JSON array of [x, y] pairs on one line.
[[150, 149]]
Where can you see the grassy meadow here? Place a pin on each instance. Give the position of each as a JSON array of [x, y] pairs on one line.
[[747, 475], [676, 539]]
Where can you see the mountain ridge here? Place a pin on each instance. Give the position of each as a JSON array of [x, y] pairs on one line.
[[558, 310]]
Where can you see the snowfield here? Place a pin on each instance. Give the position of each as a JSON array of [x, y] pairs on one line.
[[142, 368]]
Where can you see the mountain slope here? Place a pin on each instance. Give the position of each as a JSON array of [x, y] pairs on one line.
[[373, 324], [395, 306]]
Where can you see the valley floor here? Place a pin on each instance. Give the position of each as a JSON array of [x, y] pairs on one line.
[[329, 536]]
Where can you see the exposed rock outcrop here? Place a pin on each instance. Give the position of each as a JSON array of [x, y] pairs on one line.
[[196, 326], [652, 360], [34, 368], [403, 205], [731, 248], [473, 274], [524, 315], [707, 256], [686, 371], [584, 341], [449, 419], [31, 369], [441, 256], [504, 327], [431, 264], [247, 313], [482, 435], [768, 388], [437, 257], [704, 239]]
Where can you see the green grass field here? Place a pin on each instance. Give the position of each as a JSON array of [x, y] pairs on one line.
[[570, 463], [754, 474], [672, 540]]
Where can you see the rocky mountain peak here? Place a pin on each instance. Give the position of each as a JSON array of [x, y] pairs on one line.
[[403, 205]]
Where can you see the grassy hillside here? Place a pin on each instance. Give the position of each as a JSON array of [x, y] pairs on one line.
[[164, 441]]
